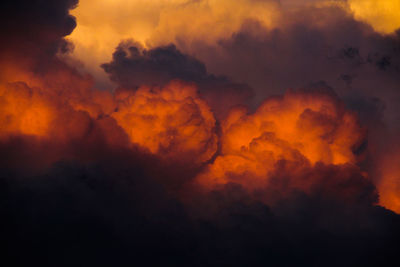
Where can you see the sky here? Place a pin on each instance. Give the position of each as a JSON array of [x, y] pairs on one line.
[[200, 132]]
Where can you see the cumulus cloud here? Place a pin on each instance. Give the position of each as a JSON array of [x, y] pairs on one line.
[[291, 134], [174, 166], [134, 66], [173, 122], [35, 29]]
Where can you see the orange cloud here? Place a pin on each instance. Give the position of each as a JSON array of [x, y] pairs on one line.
[[383, 15], [172, 122], [300, 128], [24, 111], [389, 183], [61, 105]]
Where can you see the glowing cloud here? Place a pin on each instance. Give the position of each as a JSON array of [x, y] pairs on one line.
[[389, 183], [383, 15], [172, 122], [24, 111], [301, 128]]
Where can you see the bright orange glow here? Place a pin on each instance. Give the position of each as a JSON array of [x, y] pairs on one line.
[[383, 15], [172, 122], [298, 130], [56, 105], [389, 184], [300, 127], [24, 111]]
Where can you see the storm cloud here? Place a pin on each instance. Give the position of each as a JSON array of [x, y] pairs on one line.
[[272, 142]]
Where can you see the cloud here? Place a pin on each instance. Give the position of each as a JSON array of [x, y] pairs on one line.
[[175, 167], [35, 28], [134, 66], [172, 122], [112, 212], [328, 46], [294, 132]]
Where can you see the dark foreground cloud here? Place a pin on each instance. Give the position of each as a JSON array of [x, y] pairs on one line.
[[113, 213]]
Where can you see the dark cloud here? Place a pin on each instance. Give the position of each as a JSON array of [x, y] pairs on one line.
[[133, 66], [35, 27], [33, 44], [309, 44], [113, 212]]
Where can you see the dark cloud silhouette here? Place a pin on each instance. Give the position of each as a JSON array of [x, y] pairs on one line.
[[35, 27], [133, 66], [113, 213], [33, 44]]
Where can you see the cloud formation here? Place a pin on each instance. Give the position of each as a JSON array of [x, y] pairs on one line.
[[176, 165]]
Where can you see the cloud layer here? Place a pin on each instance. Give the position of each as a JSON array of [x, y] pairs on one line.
[[251, 133]]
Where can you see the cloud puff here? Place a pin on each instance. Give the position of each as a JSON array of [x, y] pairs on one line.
[[173, 122], [134, 66], [295, 131]]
